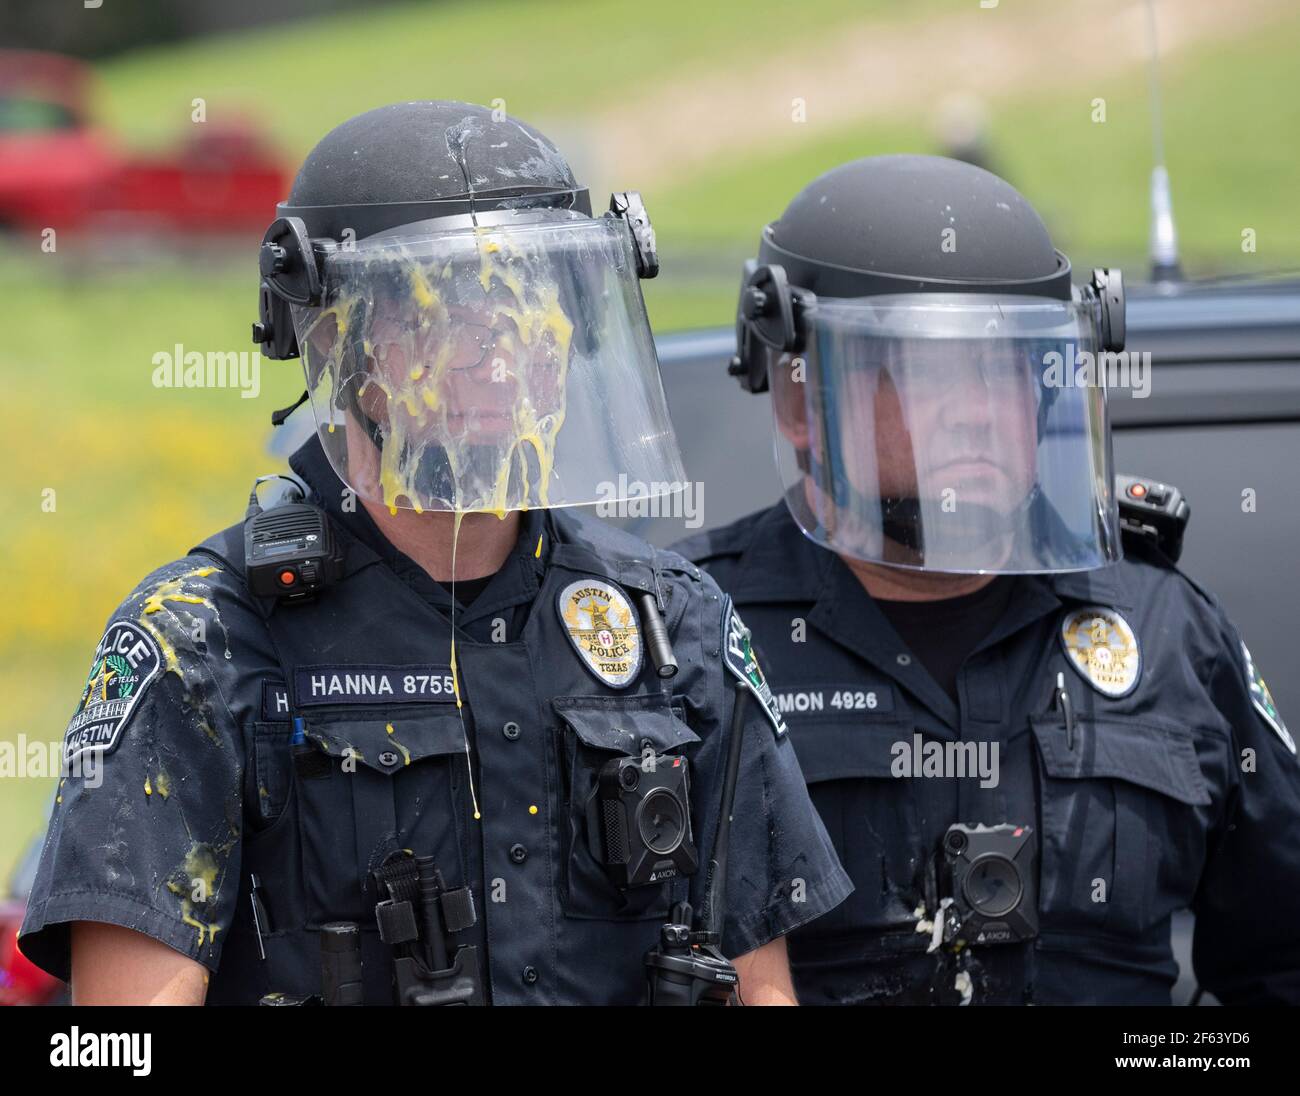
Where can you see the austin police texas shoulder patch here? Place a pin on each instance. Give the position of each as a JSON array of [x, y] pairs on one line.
[[603, 628], [125, 664], [1103, 648], [738, 653], [1263, 701]]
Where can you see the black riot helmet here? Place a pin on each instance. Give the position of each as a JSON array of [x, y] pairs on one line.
[[437, 267], [929, 363]]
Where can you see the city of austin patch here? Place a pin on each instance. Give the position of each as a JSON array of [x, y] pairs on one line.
[[738, 653], [126, 662]]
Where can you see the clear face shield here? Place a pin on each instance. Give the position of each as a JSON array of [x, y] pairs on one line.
[[499, 362], [956, 432]]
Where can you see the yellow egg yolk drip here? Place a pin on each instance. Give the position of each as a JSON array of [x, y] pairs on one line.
[[173, 590], [167, 627], [195, 883], [490, 476], [411, 361], [455, 671]]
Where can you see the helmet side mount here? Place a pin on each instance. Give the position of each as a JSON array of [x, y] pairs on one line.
[[628, 206], [1107, 289], [768, 313], [289, 276]]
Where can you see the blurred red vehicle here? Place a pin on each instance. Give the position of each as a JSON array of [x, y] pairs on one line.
[[21, 981], [58, 170]]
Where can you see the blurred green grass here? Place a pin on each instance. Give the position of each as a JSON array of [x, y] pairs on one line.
[[143, 473], [1232, 119], [140, 474], [546, 58]]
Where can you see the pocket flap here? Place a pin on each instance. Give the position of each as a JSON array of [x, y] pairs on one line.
[[622, 723], [830, 750], [388, 745], [1160, 758]]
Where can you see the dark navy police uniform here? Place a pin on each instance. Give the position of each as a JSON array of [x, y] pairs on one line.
[[1184, 792], [194, 695]]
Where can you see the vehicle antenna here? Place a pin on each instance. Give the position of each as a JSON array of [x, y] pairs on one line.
[[1164, 237]]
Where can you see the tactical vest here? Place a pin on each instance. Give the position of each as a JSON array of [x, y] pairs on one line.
[[384, 766]]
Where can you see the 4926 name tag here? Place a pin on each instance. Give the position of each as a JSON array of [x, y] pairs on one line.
[[835, 700], [425, 684]]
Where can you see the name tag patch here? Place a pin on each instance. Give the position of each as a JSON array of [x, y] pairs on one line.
[[834, 700], [422, 684], [276, 707]]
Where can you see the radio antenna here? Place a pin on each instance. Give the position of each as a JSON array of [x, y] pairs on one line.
[[1164, 237]]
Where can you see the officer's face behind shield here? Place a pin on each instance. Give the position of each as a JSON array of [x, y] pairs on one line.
[[944, 432], [496, 366]]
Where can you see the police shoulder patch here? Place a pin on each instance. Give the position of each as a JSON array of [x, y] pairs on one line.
[[738, 654], [1263, 701], [603, 627], [126, 662], [1102, 647]]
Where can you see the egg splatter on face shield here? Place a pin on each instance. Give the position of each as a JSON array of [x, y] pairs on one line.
[[489, 367]]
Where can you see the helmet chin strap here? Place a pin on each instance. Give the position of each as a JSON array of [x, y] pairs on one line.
[[900, 521], [433, 473], [901, 517], [432, 479]]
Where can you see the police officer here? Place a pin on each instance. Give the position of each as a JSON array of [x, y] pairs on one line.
[[1029, 748], [470, 673]]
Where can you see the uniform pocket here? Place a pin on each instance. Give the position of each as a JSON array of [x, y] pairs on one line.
[[1121, 835], [871, 817], [593, 731], [272, 768], [367, 787]]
